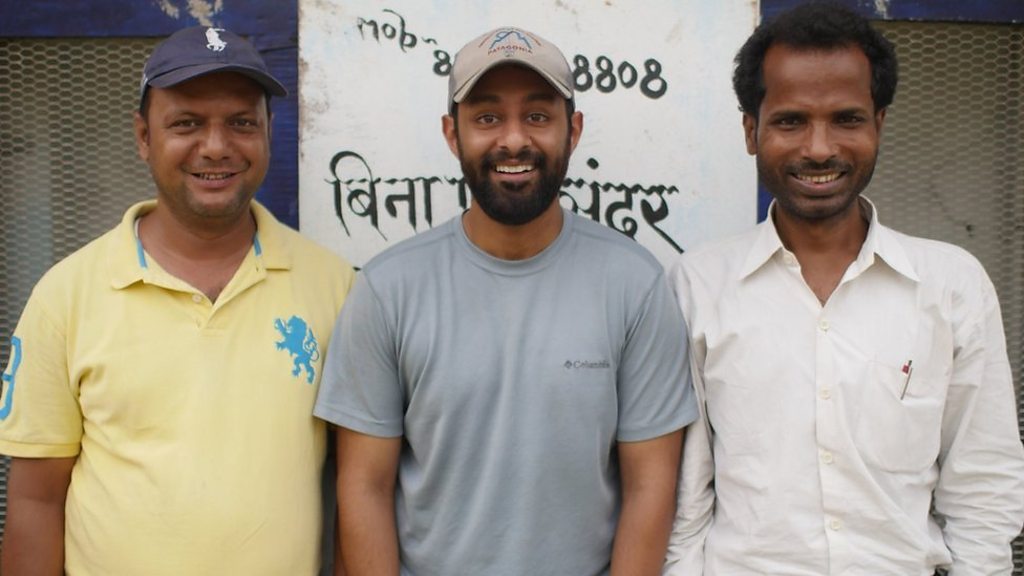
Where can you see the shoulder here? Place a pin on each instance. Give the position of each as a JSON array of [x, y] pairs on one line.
[[304, 248], [305, 258], [74, 281], [420, 252], [598, 242], [936, 256], [951, 282], [714, 261], [87, 265], [941, 264]]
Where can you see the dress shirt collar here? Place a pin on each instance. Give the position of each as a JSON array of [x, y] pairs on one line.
[[880, 241]]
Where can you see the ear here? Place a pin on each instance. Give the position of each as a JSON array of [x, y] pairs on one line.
[[270, 126], [450, 134], [879, 119], [750, 133], [141, 129], [575, 129]]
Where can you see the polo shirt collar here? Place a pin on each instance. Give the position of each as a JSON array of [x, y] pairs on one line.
[[127, 261], [880, 241], [271, 242]]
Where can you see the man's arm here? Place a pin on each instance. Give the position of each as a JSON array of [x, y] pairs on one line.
[[695, 505], [367, 471], [34, 535], [980, 492], [648, 470]]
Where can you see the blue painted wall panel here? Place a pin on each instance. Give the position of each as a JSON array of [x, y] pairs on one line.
[[993, 11]]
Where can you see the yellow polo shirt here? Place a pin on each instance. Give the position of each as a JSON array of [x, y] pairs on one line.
[[192, 420]]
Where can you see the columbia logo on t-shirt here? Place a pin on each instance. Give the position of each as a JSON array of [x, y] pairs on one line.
[[587, 364]]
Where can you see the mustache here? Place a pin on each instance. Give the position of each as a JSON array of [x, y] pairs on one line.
[[492, 159], [830, 165]]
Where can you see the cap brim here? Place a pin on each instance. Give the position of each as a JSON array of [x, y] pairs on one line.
[[175, 77], [460, 94]]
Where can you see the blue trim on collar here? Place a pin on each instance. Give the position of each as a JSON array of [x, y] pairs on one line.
[[138, 248], [142, 253]]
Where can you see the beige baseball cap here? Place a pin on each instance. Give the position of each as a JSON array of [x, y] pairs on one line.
[[508, 45]]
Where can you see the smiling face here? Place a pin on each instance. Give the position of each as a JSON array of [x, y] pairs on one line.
[[816, 137], [207, 143], [513, 140]]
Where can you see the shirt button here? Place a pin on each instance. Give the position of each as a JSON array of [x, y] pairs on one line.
[[789, 259], [197, 298], [827, 458], [835, 524], [823, 325], [825, 393]]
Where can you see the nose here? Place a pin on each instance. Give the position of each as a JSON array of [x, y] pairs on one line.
[[819, 144], [514, 137], [215, 144]]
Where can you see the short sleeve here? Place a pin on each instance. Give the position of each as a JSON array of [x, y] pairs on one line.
[[360, 389], [655, 388], [39, 412]]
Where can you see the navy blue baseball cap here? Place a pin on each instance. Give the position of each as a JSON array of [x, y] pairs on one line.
[[201, 50]]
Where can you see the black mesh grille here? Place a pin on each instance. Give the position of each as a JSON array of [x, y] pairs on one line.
[[68, 165], [952, 159]]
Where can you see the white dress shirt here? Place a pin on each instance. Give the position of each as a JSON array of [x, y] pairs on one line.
[[874, 434]]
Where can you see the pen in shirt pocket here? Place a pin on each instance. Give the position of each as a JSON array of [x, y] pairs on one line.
[[908, 371]]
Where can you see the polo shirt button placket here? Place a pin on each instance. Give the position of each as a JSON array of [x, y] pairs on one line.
[[198, 299]]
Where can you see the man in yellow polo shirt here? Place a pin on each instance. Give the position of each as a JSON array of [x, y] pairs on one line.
[[159, 393]]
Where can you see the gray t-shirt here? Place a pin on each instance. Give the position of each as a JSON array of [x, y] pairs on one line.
[[511, 382]]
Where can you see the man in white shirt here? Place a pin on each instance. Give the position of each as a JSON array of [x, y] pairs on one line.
[[856, 398]]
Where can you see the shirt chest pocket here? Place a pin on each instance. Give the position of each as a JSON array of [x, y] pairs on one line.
[[900, 422]]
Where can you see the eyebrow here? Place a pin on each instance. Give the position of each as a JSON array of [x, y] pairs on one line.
[[189, 112], [852, 110], [803, 113]]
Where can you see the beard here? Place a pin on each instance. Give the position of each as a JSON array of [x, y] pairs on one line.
[[512, 204]]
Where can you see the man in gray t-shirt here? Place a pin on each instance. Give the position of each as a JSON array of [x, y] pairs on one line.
[[509, 388]]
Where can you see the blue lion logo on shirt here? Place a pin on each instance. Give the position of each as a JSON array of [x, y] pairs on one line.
[[298, 339], [8, 378]]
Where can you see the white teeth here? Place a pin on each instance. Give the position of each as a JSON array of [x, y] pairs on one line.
[[514, 169], [205, 176], [823, 179]]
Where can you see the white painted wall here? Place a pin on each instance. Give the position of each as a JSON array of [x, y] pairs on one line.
[[369, 88]]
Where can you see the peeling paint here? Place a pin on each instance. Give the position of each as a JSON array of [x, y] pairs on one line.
[[169, 9], [882, 8], [567, 7], [202, 11]]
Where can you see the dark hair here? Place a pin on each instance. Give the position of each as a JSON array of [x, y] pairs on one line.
[[816, 25]]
